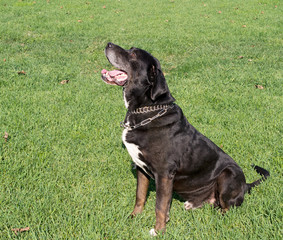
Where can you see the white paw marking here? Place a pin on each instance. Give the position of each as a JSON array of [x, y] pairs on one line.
[[212, 201], [188, 205], [152, 232]]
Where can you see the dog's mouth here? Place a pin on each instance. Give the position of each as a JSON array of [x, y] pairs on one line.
[[115, 77]]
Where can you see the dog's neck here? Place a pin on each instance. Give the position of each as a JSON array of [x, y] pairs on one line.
[[159, 109], [147, 106]]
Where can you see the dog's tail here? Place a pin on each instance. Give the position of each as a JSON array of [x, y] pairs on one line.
[[264, 175]]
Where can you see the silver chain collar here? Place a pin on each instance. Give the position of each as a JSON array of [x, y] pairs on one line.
[[150, 109], [164, 109]]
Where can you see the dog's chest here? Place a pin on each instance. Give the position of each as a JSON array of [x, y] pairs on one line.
[[134, 151]]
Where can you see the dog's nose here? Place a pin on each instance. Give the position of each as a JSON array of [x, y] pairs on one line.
[[110, 45]]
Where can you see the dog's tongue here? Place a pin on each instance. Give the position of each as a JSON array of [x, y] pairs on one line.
[[112, 73], [103, 71], [115, 73]]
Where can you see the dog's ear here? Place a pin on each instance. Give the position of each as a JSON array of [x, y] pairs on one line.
[[158, 82]]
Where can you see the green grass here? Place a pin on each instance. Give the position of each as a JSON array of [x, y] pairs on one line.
[[63, 170]]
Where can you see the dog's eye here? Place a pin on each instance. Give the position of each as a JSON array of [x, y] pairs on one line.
[[133, 54]]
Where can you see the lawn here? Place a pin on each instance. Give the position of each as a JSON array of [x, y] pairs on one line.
[[64, 173]]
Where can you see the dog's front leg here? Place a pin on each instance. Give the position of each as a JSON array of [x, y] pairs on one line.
[[164, 188], [142, 187]]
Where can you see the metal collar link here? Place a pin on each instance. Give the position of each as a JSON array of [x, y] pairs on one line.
[[147, 120], [148, 109]]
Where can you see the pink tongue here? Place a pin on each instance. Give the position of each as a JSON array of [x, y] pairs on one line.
[[112, 73], [115, 73], [104, 71]]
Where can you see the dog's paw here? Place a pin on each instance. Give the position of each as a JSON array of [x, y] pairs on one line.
[[152, 232], [188, 205]]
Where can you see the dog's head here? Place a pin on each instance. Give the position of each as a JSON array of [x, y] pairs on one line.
[[140, 75]]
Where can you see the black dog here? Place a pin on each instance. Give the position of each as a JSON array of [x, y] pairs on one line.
[[165, 146]]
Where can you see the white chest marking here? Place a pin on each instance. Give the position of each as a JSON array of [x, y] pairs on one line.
[[134, 151], [125, 100]]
